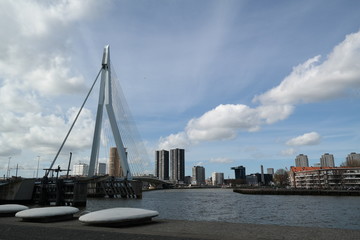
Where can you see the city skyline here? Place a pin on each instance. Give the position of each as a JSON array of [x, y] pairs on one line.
[[232, 82]]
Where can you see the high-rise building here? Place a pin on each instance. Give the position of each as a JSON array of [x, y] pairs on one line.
[[270, 171], [262, 175], [301, 160], [162, 164], [240, 172], [177, 165], [217, 178], [101, 170], [115, 170], [198, 175], [80, 169], [353, 159], [327, 160]]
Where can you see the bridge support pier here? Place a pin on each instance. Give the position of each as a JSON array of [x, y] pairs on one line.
[[115, 188]]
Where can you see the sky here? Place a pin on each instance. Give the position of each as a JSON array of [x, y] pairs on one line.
[[232, 82]]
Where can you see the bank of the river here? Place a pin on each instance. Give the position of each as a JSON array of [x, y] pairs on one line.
[[282, 191], [189, 188], [14, 228]]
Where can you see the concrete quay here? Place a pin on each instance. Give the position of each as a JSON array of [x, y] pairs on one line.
[[294, 191], [15, 228]]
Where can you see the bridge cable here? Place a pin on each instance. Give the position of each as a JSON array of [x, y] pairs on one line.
[[67, 135]]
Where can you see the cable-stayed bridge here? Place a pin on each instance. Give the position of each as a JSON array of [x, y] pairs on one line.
[[120, 125], [114, 126], [131, 150]]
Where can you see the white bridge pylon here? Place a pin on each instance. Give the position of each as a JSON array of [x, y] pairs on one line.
[[105, 98]]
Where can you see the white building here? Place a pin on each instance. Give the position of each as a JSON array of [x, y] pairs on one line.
[[325, 178], [327, 160], [270, 171], [217, 178], [301, 160], [80, 169]]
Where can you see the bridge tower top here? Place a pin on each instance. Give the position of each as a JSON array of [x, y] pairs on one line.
[[105, 99]]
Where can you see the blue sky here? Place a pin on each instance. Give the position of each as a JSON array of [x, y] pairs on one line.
[[233, 82]]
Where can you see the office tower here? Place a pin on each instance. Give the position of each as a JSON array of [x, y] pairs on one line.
[[80, 169], [353, 160], [240, 172], [301, 161], [262, 175], [217, 178], [177, 165], [327, 160], [162, 164], [198, 175], [115, 170], [270, 171], [101, 170]]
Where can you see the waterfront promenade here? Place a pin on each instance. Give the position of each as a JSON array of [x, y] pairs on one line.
[[14, 228]]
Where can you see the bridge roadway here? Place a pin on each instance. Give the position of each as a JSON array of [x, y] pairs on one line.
[[152, 180], [160, 229]]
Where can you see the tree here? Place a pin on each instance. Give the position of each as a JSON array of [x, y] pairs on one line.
[[281, 177]]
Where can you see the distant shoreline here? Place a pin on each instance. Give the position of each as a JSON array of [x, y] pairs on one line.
[[282, 191], [187, 188]]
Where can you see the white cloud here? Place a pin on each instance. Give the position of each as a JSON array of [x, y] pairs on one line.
[[13, 98], [54, 78], [288, 152], [35, 45], [47, 138], [274, 113], [7, 148], [179, 140], [36, 64], [224, 122], [313, 81], [221, 160], [44, 134], [312, 138]]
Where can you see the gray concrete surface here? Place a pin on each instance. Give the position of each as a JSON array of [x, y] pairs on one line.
[[14, 228]]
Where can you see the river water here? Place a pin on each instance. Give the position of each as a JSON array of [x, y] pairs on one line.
[[226, 206]]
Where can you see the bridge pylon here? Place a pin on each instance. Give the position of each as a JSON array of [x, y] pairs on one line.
[[105, 99]]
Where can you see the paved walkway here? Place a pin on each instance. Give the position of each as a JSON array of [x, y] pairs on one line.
[[14, 228]]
